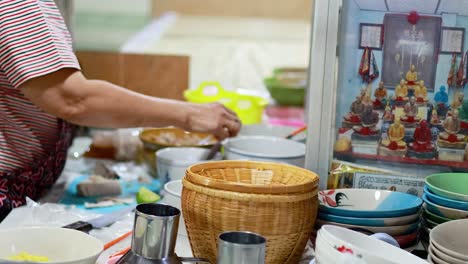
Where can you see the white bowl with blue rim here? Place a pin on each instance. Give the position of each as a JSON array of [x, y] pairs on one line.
[[391, 230], [263, 148], [440, 200], [443, 211], [365, 221], [368, 203]]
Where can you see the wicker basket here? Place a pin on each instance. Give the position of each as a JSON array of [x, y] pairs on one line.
[[277, 201]]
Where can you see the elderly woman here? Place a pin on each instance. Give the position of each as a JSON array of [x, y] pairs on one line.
[[42, 92]]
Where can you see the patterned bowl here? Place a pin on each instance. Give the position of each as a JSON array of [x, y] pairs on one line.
[[368, 203], [367, 248], [433, 217]]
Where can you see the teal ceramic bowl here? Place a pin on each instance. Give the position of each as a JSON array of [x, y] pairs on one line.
[[368, 221], [283, 94], [445, 201], [444, 211], [449, 185]]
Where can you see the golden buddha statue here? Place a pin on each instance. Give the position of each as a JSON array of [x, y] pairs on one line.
[[401, 91], [412, 75], [396, 132], [394, 145], [420, 91]]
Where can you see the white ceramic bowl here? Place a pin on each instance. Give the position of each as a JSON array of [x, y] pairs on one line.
[[391, 230], [378, 252], [60, 245], [271, 130], [325, 253], [172, 162], [451, 238], [172, 196], [434, 251], [262, 148], [435, 258]]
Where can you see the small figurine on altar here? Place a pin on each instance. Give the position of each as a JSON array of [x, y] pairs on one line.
[[441, 99], [450, 137], [422, 147], [353, 118], [435, 120], [412, 75], [369, 119], [401, 92], [411, 113], [380, 95], [420, 91], [394, 145], [388, 115], [457, 100]]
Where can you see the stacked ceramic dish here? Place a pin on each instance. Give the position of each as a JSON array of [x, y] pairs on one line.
[[372, 211], [448, 243], [445, 199], [340, 245]]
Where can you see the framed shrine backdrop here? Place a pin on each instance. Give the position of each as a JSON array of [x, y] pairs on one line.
[[406, 44]]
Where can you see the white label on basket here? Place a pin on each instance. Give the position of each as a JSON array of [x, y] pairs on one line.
[[411, 185], [262, 176]]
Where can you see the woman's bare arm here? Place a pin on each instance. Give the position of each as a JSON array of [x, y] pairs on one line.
[[69, 95]]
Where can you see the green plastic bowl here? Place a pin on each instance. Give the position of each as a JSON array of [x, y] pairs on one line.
[[285, 95], [449, 185]]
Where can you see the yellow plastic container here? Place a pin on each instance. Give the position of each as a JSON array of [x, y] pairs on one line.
[[249, 108]]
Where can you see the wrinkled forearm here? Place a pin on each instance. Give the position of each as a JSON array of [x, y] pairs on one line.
[[101, 104]]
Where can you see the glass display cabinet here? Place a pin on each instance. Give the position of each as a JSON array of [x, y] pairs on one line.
[[386, 100]]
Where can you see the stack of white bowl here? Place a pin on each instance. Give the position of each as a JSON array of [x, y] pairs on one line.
[[449, 243], [373, 211], [343, 246], [446, 199]]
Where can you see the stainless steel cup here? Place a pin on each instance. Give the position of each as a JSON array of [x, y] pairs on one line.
[[155, 231], [241, 248]]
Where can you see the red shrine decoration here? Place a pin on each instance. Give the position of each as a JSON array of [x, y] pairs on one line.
[[413, 17]]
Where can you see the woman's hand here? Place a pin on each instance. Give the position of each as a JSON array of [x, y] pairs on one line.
[[213, 118]]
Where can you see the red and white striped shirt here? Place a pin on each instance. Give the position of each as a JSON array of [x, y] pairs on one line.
[[34, 41]]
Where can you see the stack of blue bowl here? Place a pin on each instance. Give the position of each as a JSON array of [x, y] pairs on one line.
[[373, 211], [445, 199]]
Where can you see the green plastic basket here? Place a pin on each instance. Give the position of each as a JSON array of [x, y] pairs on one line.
[[249, 108]]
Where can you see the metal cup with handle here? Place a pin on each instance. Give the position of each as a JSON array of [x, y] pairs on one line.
[[241, 248]]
